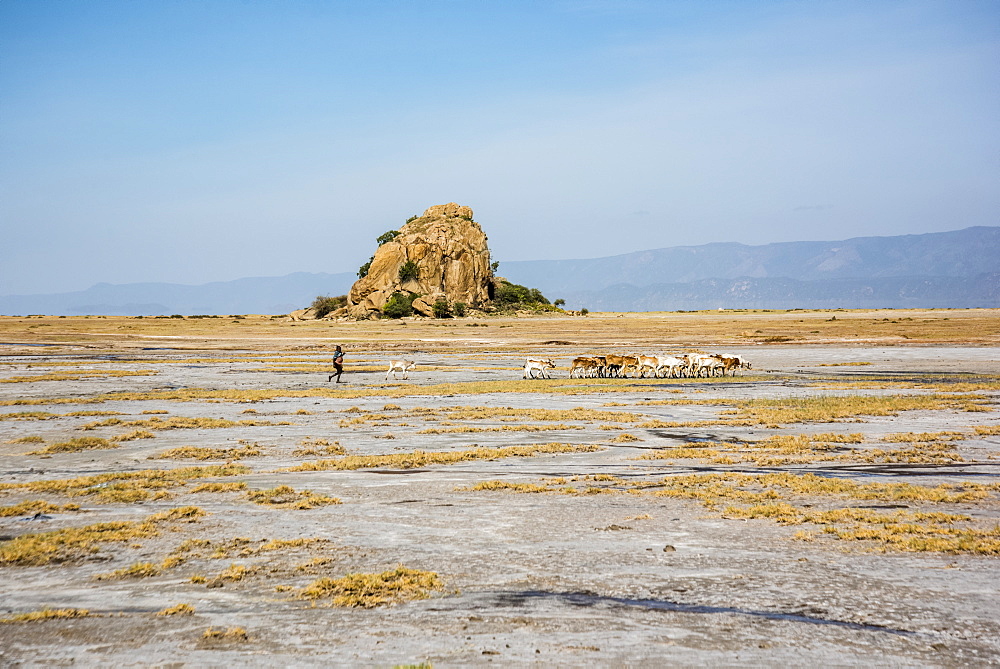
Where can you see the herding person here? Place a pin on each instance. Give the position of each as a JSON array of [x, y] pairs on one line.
[[338, 364]]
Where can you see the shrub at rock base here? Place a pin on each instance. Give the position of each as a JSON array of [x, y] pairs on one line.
[[399, 305]]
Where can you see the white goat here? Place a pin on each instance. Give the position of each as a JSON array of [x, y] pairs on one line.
[[403, 366], [531, 366]]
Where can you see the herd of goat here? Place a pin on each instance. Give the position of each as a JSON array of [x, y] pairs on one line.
[[620, 366]]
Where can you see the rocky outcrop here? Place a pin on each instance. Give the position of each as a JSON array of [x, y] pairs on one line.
[[451, 257]]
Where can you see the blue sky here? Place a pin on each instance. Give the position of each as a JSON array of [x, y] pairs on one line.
[[190, 142]]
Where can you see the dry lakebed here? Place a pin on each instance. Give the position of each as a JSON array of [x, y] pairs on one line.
[[194, 492]]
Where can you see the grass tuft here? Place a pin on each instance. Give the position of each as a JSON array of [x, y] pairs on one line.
[[46, 614], [372, 590]]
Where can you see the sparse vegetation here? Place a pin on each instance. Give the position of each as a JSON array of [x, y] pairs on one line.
[[425, 458], [372, 590], [324, 304], [409, 271], [46, 614], [399, 305], [509, 296], [285, 497], [76, 542], [137, 570], [441, 308], [229, 634], [36, 506], [205, 453], [126, 486]]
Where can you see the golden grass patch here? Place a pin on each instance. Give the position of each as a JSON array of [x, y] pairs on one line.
[[372, 590], [137, 570], [286, 544], [28, 415], [624, 437], [313, 447], [30, 439], [77, 542], [73, 375], [229, 634], [232, 574], [36, 506], [420, 458], [179, 423], [206, 453], [177, 610], [75, 445], [133, 435], [134, 486], [219, 486], [285, 497], [46, 614], [843, 364], [470, 429], [507, 487]]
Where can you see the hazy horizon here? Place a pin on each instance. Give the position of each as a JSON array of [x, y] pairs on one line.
[[191, 142]]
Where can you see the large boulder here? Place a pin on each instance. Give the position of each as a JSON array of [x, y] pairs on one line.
[[452, 260]]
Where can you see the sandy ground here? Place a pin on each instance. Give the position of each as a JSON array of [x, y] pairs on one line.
[[619, 580]]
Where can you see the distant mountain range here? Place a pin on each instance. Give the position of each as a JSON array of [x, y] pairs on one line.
[[943, 269], [259, 295]]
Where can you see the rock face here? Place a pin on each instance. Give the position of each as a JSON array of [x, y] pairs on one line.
[[452, 259]]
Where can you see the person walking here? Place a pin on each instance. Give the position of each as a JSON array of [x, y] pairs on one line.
[[338, 364]]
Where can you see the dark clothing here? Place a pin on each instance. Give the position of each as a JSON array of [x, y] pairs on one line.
[[338, 365]]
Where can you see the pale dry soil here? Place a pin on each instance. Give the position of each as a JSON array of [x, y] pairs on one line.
[[546, 579]]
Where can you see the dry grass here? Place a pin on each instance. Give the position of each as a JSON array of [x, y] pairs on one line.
[[419, 458], [78, 542], [373, 590], [205, 453], [179, 423], [234, 573], [137, 570], [313, 447], [285, 497], [624, 438], [28, 415], [79, 374], [231, 486], [508, 487], [792, 499], [29, 439], [34, 506], [177, 610], [779, 450], [286, 544], [470, 429], [843, 364], [830, 409], [46, 415], [548, 386], [229, 634], [75, 445], [46, 614], [914, 437], [126, 486], [133, 435]]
